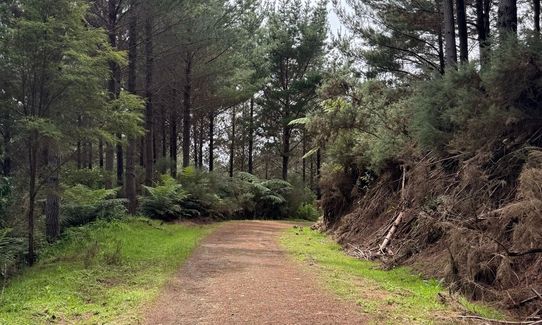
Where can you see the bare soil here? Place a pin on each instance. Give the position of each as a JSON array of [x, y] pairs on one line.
[[240, 275]]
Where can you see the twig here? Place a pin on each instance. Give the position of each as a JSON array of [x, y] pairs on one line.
[[501, 321]]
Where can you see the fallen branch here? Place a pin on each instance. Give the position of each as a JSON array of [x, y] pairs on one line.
[[498, 321]]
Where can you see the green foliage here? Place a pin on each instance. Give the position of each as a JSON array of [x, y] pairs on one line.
[[307, 211], [81, 205], [92, 178], [165, 201], [366, 122], [450, 112], [5, 198], [11, 249], [106, 271]]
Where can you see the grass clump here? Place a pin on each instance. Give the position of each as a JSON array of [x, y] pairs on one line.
[[388, 296], [99, 273]]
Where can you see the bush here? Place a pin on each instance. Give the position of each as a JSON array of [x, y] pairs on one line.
[[92, 178], [11, 249], [81, 205], [307, 211], [166, 201]]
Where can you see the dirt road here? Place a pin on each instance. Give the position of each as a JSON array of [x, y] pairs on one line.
[[240, 275]]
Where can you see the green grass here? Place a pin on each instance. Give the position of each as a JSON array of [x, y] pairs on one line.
[[100, 273], [397, 296]]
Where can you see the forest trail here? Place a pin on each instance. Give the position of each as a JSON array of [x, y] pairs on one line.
[[240, 275]]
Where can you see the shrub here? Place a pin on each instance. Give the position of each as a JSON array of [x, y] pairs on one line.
[[166, 201], [11, 248], [307, 211], [81, 205], [92, 178]]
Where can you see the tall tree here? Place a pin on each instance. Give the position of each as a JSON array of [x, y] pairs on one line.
[[507, 18], [297, 34], [449, 33], [149, 66], [462, 31]]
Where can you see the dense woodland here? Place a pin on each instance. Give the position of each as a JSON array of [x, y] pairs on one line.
[[414, 129]]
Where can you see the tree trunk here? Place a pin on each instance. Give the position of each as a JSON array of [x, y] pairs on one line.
[[211, 139], [449, 33], [286, 134], [318, 166], [173, 135], [130, 186], [90, 156], [187, 103], [536, 9], [195, 136], [442, 65], [232, 144], [52, 203], [120, 161], [101, 153], [164, 132], [109, 161], [200, 145], [6, 163], [251, 137], [462, 31], [483, 42], [33, 173], [113, 88], [304, 161], [507, 18], [149, 65]]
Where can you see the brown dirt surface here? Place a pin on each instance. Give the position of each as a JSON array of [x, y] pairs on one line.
[[240, 275]]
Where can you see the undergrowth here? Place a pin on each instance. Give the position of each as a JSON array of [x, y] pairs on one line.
[[396, 296], [99, 273]]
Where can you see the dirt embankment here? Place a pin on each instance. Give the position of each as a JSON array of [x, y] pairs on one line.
[[475, 223]]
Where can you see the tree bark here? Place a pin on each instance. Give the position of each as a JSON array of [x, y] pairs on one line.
[[211, 139], [286, 134], [483, 43], [536, 9], [304, 161], [149, 65], [318, 166], [120, 161], [251, 137], [33, 172], [462, 31], [232, 143], [101, 153], [200, 145], [52, 203], [130, 182], [173, 135], [195, 136], [507, 18], [187, 107], [449, 33]]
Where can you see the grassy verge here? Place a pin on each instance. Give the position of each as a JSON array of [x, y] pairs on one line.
[[100, 273], [396, 296]]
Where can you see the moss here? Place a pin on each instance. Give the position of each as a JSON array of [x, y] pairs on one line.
[[100, 273]]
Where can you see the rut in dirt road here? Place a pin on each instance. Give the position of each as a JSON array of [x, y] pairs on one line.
[[240, 275]]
